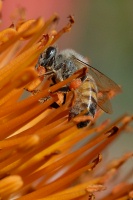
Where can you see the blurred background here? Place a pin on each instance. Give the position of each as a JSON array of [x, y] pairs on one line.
[[103, 31]]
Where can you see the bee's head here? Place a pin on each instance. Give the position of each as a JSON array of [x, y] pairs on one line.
[[47, 58]]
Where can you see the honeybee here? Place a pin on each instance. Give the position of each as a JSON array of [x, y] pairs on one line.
[[64, 64]]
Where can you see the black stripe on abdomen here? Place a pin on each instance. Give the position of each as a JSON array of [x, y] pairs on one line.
[[92, 108], [91, 105]]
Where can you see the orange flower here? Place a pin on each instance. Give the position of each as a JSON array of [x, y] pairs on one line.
[[40, 156]]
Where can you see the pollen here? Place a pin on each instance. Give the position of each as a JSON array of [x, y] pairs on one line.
[[75, 84]]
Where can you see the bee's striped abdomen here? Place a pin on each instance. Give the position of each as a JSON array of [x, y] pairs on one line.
[[86, 100]]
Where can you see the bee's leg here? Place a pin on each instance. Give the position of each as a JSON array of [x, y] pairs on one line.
[[32, 91], [42, 100], [54, 105], [83, 124], [63, 90]]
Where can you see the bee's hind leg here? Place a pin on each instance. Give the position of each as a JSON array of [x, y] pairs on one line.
[[42, 100], [83, 124]]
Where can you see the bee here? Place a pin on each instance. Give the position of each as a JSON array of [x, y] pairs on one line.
[[94, 90]]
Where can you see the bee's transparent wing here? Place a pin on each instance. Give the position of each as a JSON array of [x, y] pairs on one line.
[[103, 82], [104, 103], [105, 86]]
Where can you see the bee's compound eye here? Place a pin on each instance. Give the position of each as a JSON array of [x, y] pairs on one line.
[[50, 52]]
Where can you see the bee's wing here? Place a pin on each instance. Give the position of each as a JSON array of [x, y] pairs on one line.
[[104, 103], [104, 84]]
